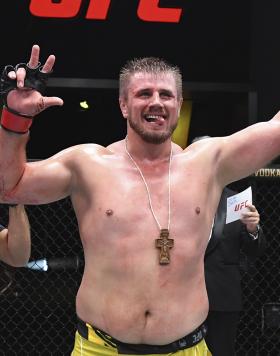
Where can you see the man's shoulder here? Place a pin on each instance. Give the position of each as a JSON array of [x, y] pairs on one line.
[[80, 152], [116, 147], [87, 148]]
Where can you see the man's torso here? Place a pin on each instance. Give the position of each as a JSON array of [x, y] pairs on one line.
[[125, 291]]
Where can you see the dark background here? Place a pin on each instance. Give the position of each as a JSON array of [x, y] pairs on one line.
[[212, 44]]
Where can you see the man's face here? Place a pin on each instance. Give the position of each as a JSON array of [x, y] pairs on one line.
[[152, 106]]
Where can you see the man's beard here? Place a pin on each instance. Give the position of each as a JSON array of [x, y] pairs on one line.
[[152, 137]]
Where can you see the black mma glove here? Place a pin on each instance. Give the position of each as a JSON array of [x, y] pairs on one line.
[[34, 79], [12, 120]]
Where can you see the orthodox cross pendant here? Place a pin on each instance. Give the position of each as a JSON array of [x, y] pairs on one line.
[[164, 243]]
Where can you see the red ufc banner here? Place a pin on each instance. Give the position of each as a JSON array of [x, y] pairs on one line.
[[148, 10]]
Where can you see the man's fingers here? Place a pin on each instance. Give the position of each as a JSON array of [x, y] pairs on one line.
[[20, 77], [251, 207], [247, 214], [34, 60], [251, 220], [34, 57], [52, 101], [44, 102], [12, 75], [47, 67]]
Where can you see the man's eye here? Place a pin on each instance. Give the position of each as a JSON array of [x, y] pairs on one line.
[[165, 95], [145, 94]]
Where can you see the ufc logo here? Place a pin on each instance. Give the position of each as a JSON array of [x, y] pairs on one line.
[[241, 206], [148, 10]]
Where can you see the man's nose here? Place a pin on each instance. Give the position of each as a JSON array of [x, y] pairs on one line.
[[155, 99]]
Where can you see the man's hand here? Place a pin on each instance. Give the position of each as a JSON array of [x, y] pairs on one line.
[[23, 98], [251, 218]]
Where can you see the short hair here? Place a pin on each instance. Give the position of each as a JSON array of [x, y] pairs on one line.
[[153, 65]]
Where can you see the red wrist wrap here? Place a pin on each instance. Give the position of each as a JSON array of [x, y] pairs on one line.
[[15, 122]]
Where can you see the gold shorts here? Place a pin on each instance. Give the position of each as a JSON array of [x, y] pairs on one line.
[[91, 341]]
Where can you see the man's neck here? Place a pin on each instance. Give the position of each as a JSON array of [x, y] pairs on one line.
[[145, 151]]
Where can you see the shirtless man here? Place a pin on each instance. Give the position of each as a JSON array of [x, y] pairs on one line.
[[15, 242], [144, 208]]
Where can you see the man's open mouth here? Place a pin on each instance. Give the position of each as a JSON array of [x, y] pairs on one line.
[[155, 118]]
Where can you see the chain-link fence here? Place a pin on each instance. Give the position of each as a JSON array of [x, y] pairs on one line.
[[38, 303], [259, 327], [38, 307]]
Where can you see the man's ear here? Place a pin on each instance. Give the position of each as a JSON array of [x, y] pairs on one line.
[[123, 107], [180, 105]]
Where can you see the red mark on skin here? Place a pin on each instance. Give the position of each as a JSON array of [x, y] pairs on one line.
[[109, 212], [8, 195], [197, 210]]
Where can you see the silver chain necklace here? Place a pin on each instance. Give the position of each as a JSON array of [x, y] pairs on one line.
[[163, 242]]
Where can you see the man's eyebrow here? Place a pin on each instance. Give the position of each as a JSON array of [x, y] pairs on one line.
[[143, 90], [167, 91]]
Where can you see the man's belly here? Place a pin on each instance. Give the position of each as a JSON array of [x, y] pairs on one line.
[[139, 316]]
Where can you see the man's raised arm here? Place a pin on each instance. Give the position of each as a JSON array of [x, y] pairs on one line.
[[248, 150], [22, 89]]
